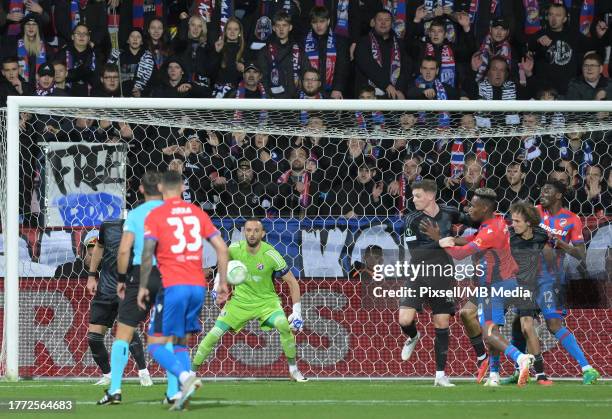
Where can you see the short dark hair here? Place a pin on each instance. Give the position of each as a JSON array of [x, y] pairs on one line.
[[430, 59], [58, 62], [593, 56], [9, 60], [83, 25], [366, 89], [373, 249], [318, 12], [172, 179], [110, 68], [517, 163], [527, 210], [438, 22], [311, 70], [559, 5], [428, 185], [559, 187], [280, 16], [149, 182], [488, 195]]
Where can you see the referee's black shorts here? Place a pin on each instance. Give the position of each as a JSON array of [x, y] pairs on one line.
[[129, 313]]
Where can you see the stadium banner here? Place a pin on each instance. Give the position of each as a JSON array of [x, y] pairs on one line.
[[342, 337], [84, 183], [312, 247]]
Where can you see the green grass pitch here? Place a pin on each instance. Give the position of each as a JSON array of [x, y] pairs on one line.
[[327, 399]]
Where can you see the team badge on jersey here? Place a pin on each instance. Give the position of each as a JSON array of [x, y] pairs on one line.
[[260, 266]]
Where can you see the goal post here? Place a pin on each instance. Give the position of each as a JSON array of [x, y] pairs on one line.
[[282, 118]]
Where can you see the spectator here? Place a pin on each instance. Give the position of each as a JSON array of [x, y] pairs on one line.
[[93, 13], [497, 85], [311, 89], [45, 85], [282, 60], [450, 57], [513, 188], [561, 174], [327, 53], [496, 44], [401, 187], [31, 49], [251, 86], [13, 84], [363, 271], [606, 197], [61, 73], [380, 60], [201, 60], [429, 86], [232, 58], [265, 159], [191, 192], [458, 191], [17, 11], [591, 82], [558, 50], [365, 196], [243, 195], [79, 268], [138, 14], [157, 51], [129, 60], [175, 84], [109, 82], [344, 15], [592, 195], [259, 23], [81, 62]]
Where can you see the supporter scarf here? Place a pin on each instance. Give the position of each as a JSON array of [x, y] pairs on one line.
[[473, 10], [295, 59], [587, 154], [457, 161], [395, 57], [138, 12], [24, 58], [485, 90], [481, 154], [443, 117], [398, 10], [431, 5], [447, 62], [44, 92], [241, 94], [304, 114], [342, 19], [305, 195], [206, 8], [587, 14], [489, 50], [532, 17], [378, 120], [403, 183], [312, 52], [75, 13], [531, 145]]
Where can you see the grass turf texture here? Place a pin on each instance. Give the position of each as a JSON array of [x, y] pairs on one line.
[[327, 399]]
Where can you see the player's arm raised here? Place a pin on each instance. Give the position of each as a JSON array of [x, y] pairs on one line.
[[295, 319], [92, 276], [222, 257], [146, 265], [123, 261]]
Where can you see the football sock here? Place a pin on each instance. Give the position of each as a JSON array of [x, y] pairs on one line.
[[441, 348], [166, 359], [569, 342], [98, 351], [512, 353], [518, 339], [538, 364], [410, 330], [172, 387], [286, 337], [119, 359], [478, 346], [137, 351], [494, 363], [182, 353], [206, 346]]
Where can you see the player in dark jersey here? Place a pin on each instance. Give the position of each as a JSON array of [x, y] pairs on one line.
[[174, 233], [565, 231], [129, 314], [423, 229], [105, 303], [533, 255], [490, 248]]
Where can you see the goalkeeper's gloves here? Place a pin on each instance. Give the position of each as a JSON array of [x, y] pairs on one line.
[[295, 319], [215, 288]]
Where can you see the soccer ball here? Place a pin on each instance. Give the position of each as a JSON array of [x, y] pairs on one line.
[[236, 272]]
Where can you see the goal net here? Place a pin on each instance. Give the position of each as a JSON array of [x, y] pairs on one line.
[[329, 179]]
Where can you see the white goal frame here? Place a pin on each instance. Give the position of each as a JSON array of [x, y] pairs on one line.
[[17, 104]]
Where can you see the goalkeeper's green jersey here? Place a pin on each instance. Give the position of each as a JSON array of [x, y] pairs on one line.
[[263, 267]]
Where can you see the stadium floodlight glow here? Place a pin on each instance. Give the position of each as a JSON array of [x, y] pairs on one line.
[[245, 115]]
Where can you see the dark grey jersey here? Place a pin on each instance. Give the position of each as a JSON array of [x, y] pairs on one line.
[[110, 237]]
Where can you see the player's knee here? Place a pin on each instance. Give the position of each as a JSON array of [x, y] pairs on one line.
[[441, 321]]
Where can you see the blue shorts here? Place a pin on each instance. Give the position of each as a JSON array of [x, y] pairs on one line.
[[548, 300], [492, 308], [177, 311]]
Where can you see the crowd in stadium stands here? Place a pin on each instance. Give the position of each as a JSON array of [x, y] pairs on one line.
[[328, 49]]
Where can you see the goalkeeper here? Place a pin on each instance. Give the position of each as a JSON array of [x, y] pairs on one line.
[[256, 298]]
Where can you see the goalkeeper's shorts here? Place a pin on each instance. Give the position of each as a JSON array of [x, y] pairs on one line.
[[237, 313]]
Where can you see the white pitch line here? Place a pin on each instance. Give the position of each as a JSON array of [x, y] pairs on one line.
[[603, 402]]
